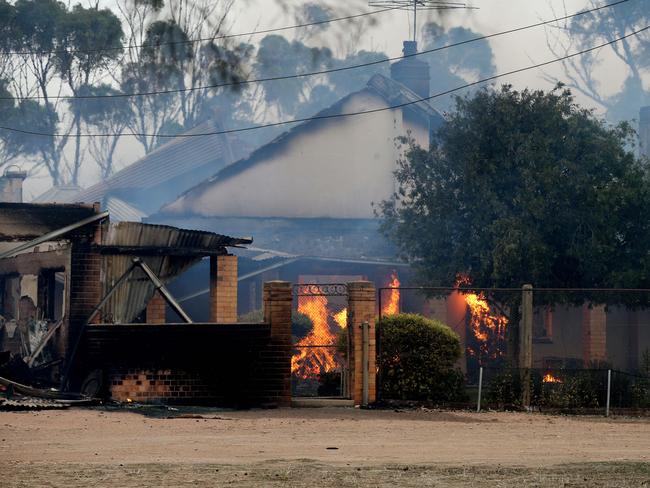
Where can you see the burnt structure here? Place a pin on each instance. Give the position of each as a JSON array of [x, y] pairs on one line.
[[82, 304]]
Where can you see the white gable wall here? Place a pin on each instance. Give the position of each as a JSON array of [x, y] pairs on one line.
[[329, 169]]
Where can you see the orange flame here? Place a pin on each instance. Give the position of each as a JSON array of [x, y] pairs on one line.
[[489, 328], [549, 378], [310, 361], [392, 306]]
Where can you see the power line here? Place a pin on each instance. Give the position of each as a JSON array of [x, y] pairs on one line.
[[348, 114], [325, 71], [201, 39]]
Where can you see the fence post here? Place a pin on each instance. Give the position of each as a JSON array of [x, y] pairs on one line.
[[361, 310], [526, 343], [480, 389], [609, 391]]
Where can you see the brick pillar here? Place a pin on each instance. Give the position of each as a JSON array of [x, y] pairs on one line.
[[223, 289], [278, 300], [362, 308], [594, 334], [156, 310]]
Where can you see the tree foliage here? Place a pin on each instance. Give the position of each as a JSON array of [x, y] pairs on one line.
[[523, 187]]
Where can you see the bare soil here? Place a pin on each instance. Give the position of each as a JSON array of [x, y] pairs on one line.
[[320, 448]]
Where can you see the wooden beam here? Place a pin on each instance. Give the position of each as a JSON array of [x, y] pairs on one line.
[[160, 251], [526, 343]]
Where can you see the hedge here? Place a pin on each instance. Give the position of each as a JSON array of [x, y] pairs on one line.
[[418, 360]]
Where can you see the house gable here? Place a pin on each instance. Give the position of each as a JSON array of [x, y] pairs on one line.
[[332, 168]]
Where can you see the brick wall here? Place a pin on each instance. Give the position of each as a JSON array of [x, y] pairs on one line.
[[156, 310], [234, 365], [362, 308], [223, 289], [594, 334]]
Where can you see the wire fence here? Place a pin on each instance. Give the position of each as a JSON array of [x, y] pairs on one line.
[[590, 347], [590, 391], [571, 328]]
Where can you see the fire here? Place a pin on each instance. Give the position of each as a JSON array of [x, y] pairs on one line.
[[310, 361], [549, 378], [392, 306], [341, 318], [488, 327]]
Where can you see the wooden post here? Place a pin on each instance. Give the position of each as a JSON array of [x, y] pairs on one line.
[[526, 343]]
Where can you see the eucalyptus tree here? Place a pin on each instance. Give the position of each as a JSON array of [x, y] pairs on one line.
[[585, 74]]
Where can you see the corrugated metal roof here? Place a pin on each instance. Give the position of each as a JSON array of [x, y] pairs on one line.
[[131, 297], [122, 211], [177, 157], [59, 194]]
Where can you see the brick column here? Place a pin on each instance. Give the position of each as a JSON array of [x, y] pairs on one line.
[[362, 308], [594, 334], [223, 289], [278, 300], [156, 310]]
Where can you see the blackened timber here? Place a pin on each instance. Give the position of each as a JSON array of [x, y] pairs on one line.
[[26, 221], [160, 251], [32, 263]]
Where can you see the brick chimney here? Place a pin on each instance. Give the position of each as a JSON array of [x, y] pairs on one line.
[[11, 185], [412, 72], [644, 131]]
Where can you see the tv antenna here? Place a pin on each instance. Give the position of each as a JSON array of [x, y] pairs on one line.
[[415, 5]]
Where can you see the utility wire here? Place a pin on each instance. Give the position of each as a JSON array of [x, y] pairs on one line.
[[320, 72], [202, 39], [348, 114]]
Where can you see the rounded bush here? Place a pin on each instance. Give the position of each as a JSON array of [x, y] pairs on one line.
[[418, 360]]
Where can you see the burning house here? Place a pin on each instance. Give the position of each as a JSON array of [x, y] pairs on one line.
[[308, 196]]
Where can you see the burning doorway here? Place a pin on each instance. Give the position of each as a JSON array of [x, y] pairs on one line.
[[319, 365]]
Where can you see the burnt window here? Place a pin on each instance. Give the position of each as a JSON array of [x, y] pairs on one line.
[[543, 324]]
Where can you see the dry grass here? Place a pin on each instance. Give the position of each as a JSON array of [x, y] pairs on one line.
[[309, 474]]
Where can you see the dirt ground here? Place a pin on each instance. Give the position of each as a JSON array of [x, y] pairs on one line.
[[320, 448]]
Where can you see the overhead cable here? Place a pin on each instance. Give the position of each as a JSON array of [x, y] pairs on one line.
[[346, 114], [201, 39], [320, 72]]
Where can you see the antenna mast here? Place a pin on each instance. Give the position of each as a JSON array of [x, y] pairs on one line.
[[416, 5]]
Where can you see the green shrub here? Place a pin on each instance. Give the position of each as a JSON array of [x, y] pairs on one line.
[[418, 360]]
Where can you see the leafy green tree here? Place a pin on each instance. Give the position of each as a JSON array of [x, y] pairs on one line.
[[524, 187]]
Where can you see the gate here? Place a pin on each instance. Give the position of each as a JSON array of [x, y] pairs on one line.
[[319, 364]]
